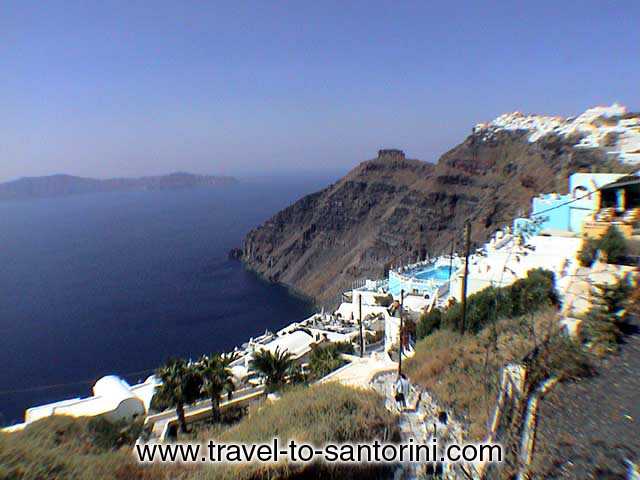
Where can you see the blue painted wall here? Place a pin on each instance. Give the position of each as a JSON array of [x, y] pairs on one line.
[[570, 217], [557, 219]]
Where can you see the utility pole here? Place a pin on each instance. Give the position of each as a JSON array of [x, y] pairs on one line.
[[400, 349], [453, 244], [360, 316], [467, 244]]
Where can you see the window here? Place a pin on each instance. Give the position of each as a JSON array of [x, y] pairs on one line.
[[580, 192]]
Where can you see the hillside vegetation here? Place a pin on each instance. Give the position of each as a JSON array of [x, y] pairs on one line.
[[319, 414], [463, 371], [69, 448], [518, 324], [84, 449]]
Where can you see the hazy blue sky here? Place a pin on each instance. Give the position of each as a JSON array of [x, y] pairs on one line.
[[130, 88]]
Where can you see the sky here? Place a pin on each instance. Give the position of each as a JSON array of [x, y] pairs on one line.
[[129, 88]]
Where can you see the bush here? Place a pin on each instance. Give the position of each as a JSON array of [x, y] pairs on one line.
[[588, 252], [482, 308], [529, 294], [452, 316], [600, 331], [603, 325], [525, 295], [429, 322], [614, 298], [326, 358], [614, 245], [561, 357]]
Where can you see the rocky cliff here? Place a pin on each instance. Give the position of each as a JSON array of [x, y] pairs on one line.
[[392, 210]]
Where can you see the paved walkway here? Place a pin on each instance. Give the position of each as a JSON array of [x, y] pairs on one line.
[[361, 371], [420, 421]]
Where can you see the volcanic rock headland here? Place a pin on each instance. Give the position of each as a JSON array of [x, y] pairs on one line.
[[392, 210]]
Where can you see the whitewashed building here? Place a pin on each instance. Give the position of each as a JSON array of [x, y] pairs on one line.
[[113, 398]]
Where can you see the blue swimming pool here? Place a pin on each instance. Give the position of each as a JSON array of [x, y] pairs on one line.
[[431, 273], [421, 280]]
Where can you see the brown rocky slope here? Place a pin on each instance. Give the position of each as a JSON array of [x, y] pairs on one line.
[[391, 210]]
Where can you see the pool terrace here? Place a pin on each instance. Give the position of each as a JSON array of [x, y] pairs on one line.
[[423, 278]]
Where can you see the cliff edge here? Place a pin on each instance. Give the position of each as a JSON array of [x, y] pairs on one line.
[[392, 210]]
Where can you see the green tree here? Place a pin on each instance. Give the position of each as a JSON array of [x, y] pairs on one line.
[[604, 323], [325, 359], [216, 379], [525, 295], [429, 322], [180, 386], [274, 367], [530, 293]]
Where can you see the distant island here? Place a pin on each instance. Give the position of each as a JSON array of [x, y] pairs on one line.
[[63, 185]]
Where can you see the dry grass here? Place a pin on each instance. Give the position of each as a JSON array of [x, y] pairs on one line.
[[463, 372], [67, 448], [316, 415]]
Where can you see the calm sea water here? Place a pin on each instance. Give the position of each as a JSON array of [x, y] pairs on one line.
[[116, 283]]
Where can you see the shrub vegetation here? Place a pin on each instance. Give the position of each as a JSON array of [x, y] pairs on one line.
[[525, 295], [327, 357], [62, 447], [588, 252], [318, 414], [612, 244], [429, 322], [463, 371], [604, 324]]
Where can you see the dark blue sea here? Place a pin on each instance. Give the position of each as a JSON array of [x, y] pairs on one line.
[[117, 282]]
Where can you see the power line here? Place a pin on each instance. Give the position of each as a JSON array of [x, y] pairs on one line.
[[567, 202], [68, 384]]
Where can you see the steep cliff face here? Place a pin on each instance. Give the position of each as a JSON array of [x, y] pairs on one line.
[[391, 210]]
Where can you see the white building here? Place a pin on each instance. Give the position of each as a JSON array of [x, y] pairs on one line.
[[509, 261], [610, 128], [113, 398], [297, 343]]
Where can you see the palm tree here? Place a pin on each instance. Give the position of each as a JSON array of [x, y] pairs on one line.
[[216, 379], [275, 367], [180, 386], [325, 359]]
